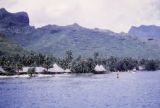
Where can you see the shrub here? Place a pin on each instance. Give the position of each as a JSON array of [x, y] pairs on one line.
[[31, 71], [151, 65]]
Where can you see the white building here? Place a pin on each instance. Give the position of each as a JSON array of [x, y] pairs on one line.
[[99, 68], [134, 70], [141, 68], [37, 69], [56, 69], [24, 69], [40, 69], [67, 71]]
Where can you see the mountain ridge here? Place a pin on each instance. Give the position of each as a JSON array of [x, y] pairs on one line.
[[146, 33], [55, 40]]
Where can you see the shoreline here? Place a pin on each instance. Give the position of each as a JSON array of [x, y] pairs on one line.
[[64, 74], [24, 76]]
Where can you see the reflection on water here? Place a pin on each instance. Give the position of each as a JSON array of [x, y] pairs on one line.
[[139, 90]]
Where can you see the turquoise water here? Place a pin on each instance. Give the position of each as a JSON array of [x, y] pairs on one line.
[[131, 90]]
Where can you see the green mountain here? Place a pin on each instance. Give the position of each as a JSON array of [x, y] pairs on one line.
[[55, 40], [149, 34], [82, 41], [9, 48]]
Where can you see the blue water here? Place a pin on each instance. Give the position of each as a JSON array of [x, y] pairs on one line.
[[139, 90]]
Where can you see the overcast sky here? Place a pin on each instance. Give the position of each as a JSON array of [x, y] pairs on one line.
[[116, 15]]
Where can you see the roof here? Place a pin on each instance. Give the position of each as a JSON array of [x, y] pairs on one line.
[[39, 69], [67, 70], [25, 69], [99, 68], [1, 69], [56, 68], [141, 67]]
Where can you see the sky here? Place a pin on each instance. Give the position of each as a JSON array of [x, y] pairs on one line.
[[116, 15]]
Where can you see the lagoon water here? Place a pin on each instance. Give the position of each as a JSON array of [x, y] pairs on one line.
[[131, 90]]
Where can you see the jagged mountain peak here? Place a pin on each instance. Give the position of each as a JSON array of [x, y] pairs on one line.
[[3, 10], [8, 19], [74, 26]]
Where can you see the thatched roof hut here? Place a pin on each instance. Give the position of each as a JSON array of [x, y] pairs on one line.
[[1, 70], [67, 71], [56, 69], [40, 69], [24, 70], [99, 69]]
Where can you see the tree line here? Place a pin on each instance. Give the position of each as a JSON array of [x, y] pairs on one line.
[[13, 63]]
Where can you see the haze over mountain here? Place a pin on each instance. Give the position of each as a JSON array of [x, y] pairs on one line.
[[116, 15], [53, 39], [149, 34]]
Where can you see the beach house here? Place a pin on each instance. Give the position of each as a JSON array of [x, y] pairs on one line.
[[99, 69]]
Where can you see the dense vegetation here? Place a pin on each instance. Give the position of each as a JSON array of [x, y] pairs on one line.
[[7, 47], [14, 63]]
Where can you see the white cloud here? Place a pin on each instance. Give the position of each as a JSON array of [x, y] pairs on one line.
[[117, 15]]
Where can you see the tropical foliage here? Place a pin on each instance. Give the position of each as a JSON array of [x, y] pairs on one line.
[[13, 63]]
